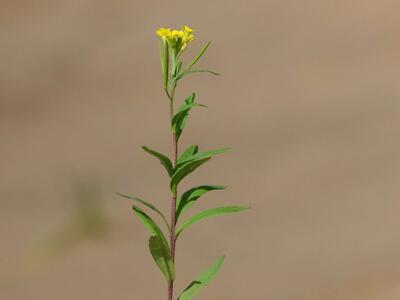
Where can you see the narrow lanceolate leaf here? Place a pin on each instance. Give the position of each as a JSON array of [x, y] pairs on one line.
[[191, 150], [149, 205], [164, 160], [210, 213], [201, 281], [179, 120], [189, 197], [185, 107], [201, 155], [185, 170], [162, 258], [177, 69], [196, 71], [151, 226], [195, 60], [164, 58], [161, 53]]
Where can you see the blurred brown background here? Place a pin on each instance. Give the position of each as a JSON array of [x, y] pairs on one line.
[[309, 100]]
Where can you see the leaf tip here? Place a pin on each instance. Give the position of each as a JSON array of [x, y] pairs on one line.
[[136, 209], [226, 149], [120, 194]]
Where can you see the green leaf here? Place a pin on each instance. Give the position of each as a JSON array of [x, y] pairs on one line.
[[196, 59], [177, 69], [189, 197], [161, 54], [162, 258], [164, 160], [179, 120], [200, 155], [164, 58], [151, 226], [201, 281], [185, 170], [149, 205], [191, 150], [158, 244], [196, 71], [210, 213]]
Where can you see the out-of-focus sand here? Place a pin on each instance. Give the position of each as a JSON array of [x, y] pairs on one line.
[[309, 100]]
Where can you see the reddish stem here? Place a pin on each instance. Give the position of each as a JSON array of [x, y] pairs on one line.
[[173, 203]]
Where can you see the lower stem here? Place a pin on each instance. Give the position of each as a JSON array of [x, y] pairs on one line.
[[170, 291], [173, 221], [172, 245]]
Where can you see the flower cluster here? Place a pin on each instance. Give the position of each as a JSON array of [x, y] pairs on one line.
[[177, 39]]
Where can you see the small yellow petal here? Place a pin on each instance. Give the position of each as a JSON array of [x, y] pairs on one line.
[[187, 29], [175, 33], [164, 32]]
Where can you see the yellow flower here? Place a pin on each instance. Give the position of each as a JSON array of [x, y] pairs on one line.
[[177, 39], [176, 34], [164, 33], [187, 36]]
